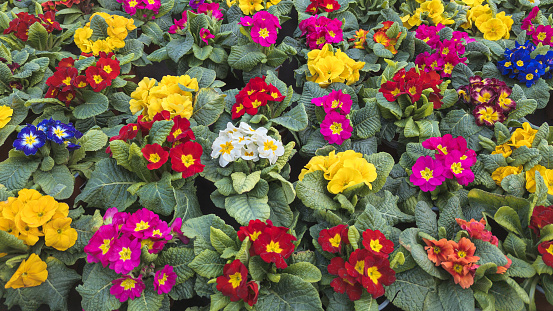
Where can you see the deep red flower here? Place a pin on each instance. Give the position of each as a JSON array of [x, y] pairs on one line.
[[541, 217], [330, 5], [97, 78], [62, 78], [156, 155], [253, 293], [253, 230], [312, 7], [66, 97], [344, 283], [377, 274], [546, 250], [110, 66], [253, 102], [185, 158], [181, 130], [391, 90], [66, 62], [275, 245], [356, 263], [275, 93], [49, 21], [52, 92], [376, 243], [331, 240], [48, 6], [233, 281], [238, 110], [79, 82], [20, 25]]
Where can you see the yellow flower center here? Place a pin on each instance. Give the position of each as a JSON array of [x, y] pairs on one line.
[[30, 140], [263, 33], [321, 40], [177, 132], [541, 36], [256, 103], [413, 90], [489, 114], [508, 64], [395, 92], [550, 249], [374, 274], [274, 247], [105, 246], [269, 145], [59, 132], [235, 279], [82, 84], [448, 68], [520, 63], [445, 51], [107, 69], [437, 250], [529, 76], [67, 81], [442, 149], [226, 147], [456, 168], [128, 284], [360, 266], [427, 174], [187, 160], [336, 128], [98, 79], [254, 235], [154, 158], [458, 268], [332, 34], [133, 3], [335, 241], [375, 245], [330, 6], [142, 225], [162, 280], [336, 103], [125, 253], [461, 254]]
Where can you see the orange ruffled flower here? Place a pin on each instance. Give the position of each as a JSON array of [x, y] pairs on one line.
[[438, 251], [465, 249], [460, 269]]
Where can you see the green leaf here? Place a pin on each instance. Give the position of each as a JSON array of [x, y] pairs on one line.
[[179, 47], [380, 50], [202, 53], [541, 267], [408, 239], [244, 183], [308, 272], [366, 121], [15, 172], [515, 246], [9, 243], [489, 253], [159, 197], [410, 289], [244, 208], [95, 289], [208, 264], [290, 294], [148, 301], [199, 228], [178, 258], [454, 297], [449, 212], [96, 103], [86, 225], [208, 107], [520, 268], [388, 208], [276, 57], [508, 218], [281, 214], [218, 302], [366, 303], [506, 298], [523, 108], [160, 130], [245, 57], [220, 240], [426, 219], [108, 186], [295, 119], [312, 192], [58, 183], [120, 152], [460, 75], [38, 36]]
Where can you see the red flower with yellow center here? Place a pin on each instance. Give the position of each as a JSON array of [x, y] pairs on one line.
[[465, 249], [233, 281], [238, 110], [460, 269], [356, 263], [541, 217], [344, 283], [156, 155], [97, 78], [487, 114], [377, 274], [546, 250], [62, 78], [253, 230], [382, 38], [275, 245], [391, 90], [376, 243], [181, 130], [185, 158], [438, 251], [109, 66], [331, 240]]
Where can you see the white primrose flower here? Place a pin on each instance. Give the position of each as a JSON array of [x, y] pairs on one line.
[[241, 139], [246, 128], [225, 149], [270, 148], [230, 130], [249, 152]]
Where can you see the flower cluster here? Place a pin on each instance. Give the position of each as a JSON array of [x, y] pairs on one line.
[[256, 94], [432, 9], [209, 9], [540, 34], [490, 98], [320, 30], [21, 24], [152, 97], [262, 27], [367, 267], [335, 127], [446, 54], [245, 143], [359, 39], [457, 258], [117, 31], [343, 170], [452, 161], [320, 6], [141, 8], [493, 26], [234, 282], [118, 243], [273, 244], [381, 37], [31, 215], [31, 272], [412, 84], [67, 79], [31, 137], [326, 67], [249, 7], [518, 64]]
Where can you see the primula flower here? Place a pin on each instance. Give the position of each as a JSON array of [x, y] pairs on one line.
[[545, 249], [109, 66], [97, 78], [477, 230], [335, 101], [31, 272], [99, 247], [270, 148], [523, 136], [344, 283], [176, 230], [40, 212], [20, 25], [376, 243], [62, 78], [127, 288], [541, 217], [253, 293], [465, 249], [194, 4], [336, 128], [427, 173], [185, 158], [156, 155], [331, 240], [543, 34], [275, 245], [233, 281], [503, 149], [6, 114], [125, 255], [254, 229], [210, 9], [205, 35], [486, 114], [377, 274], [459, 268], [456, 166], [59, 234], [356, 264], [181, 130], [141, 223], [503, 171], [438, 251], [179, 24], [164, 280]]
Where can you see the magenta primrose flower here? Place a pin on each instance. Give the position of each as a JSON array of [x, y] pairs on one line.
[[176, 230], [458, 165], [99, 247], [141, 223], [127, 288], [210, 9], [194, 4], [264, 27], [338, 101], [205, 35], [131, 6], [336, 128], [427, 173], [445, 144], [543, 34], [320, 30], [152, 5], [125, 255], [179, 24], [164, 280]]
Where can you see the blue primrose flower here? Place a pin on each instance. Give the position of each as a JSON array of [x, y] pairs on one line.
[[532, 72], [45, 124], [29, 140], [71, 146]]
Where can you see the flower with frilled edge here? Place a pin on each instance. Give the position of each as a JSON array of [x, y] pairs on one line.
[[438, 251], [205, 35], [6, 114], [459, 268], [125, 255], [344, 283], [377, 274], [465, 249], [127, 288], [31, 272], [546, 250], [100, 245], [59, 234], [486, 114], [336, 128], [503, 171], [254, 229], [185, 158], [156, 155]]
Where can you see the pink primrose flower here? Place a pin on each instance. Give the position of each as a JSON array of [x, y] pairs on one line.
[[141, 223], [99, 248], [164, 280], [125, 255], [336, 128], [127, 288], [427, 173], [205, 35]]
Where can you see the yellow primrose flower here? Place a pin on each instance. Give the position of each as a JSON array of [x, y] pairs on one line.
[[31, 272], [101, 46], [12, 208], [178, 104], [28, 234], [6, 114], [531, 179], [316, 163], [504, 171], [345, 177], [272, 2], [493, 29], [26, 195], [62, 211], [139, 98], [38, 212], [473, 3], [59, 234], [81, 38], [367, 170], [9, 226], [507, 20], [503, 149], [523, 136], [249, 7], [434, 8]]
